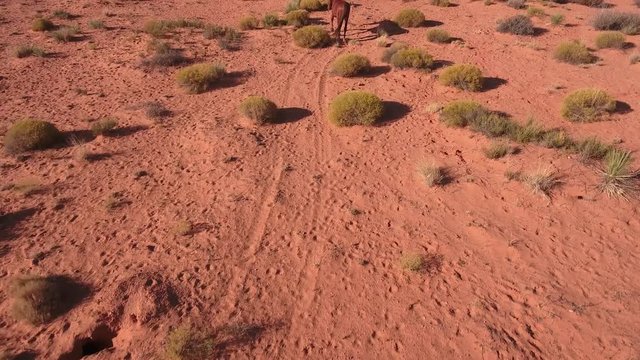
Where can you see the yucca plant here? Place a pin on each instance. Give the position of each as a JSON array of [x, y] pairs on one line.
[[617, 177]]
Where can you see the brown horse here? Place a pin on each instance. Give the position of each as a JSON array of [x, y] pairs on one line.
[[340, 10]]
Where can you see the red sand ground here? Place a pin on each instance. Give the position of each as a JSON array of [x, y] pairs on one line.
[[276, 244]]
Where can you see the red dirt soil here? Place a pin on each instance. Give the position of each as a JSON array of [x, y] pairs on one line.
[[277, 243]]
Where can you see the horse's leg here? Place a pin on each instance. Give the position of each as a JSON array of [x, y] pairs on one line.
[[332, 20], [346, 22]]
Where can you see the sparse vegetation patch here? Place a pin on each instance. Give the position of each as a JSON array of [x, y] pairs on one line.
[[587, 105], [516, 25], [439, 36], [355, 108], [610, 40], [410, 18], [350, 65], [462, 76], [312, 36], [628, 23], [30, 134], [574, 52], [201, 77], [413, 58]]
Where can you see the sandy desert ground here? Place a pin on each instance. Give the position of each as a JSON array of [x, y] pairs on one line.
[[298, 228]]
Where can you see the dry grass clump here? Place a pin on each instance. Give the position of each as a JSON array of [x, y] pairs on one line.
[[103, 126], [617, 177], [30, 134], [259, 109], [183, 228], [439, 36], [228, 38], [311, 5], [156, 111], [516, 4], [199, 78], [441, 3], [349, 65], [533, 11], [516, 25], [312, 36], [159, 28], [39, 300], [628, 23], [413, 58], [62, 14], [556, 139], [249, 23], [189, 343], [355, 108], [610, 40], [428, 263], [29, 50], [433, 174], [410, 18], [297, 18], [587, 105], [462, 76], [491, 124], [65, 34], [271, 20], [498, 150], [388, 53], [96, 24], [574, 52], [41, 24], [557, 19], [527, 133], [164, 55], [591, 149], [634, 59], [542, 181], [462, 113], [590, 3]]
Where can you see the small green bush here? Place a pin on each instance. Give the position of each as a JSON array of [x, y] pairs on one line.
[[412, 58], [271, 20], [355, 108], [189, 343], [41, 24], [312, 36], [30, 134], [574, 52], [438, 36], [103, 126], [529, 132], [310, 5], [349, 65], [557, 19], [462, 76], [259, 109], [587, 105], [249, 23], [441, 3], [462, 113], [201, 77], [628, 23], [497, 150], [610, 40], [491, 124], [410, 18], [96, 24], [516, 25], [591, 149], [391, 50], [556, 139], [29, 50], [533, 11], [297, 18]]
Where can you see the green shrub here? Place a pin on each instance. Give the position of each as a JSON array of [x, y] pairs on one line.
[[103, 126], [310, 5], [41, 24], [462, 113], [610, 40], [491, 124], [29, 50], [591, 149], [438, 36], [628, 23], [349, 65], [297, 18], [587, 105], [96, 24], [201, 77], [516, 25], [410, 18], [249, 23], [259, 109], [573, 52], [189, 343], [355, 108], [530, 132], [617, 177], [441, 3], [391, 50], [462, 76], [556, 139], [39, 300], [312, 36], [557, 19], [533, 11], [412, 58], [271, 20], [30, 134], [497, 150]]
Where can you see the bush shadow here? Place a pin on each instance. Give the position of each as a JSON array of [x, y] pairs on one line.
[[9, 222], [492, 83], [291, 114], [623, 107], [393, 111]]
